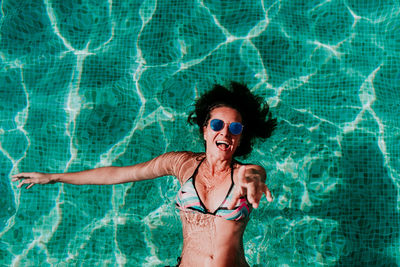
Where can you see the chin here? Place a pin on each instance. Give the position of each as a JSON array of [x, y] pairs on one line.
[[225, 154]]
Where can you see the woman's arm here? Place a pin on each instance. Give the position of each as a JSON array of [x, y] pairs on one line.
[[251, 183], [162, 165]]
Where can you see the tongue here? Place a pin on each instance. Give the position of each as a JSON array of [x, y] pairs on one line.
[[223, 146]]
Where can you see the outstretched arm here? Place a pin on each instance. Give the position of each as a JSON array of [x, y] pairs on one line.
[[251, 183], [160, 166]]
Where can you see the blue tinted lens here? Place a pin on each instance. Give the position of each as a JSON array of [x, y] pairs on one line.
[[235, 128], [216, 124]]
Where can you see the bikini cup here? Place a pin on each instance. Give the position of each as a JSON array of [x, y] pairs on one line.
[[188, 199]]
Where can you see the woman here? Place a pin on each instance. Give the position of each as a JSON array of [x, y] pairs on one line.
[[217, 192]]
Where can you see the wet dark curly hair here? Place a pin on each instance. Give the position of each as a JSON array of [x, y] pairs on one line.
[[256, 117]]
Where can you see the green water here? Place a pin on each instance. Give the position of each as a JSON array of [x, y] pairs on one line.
[[97, 83]]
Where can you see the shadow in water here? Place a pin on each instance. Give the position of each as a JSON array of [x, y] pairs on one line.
[[364, 204]]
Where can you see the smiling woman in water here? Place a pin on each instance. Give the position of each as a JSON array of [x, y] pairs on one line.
[[217, 192]]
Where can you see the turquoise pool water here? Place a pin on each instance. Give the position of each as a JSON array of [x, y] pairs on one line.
[[96, 83]]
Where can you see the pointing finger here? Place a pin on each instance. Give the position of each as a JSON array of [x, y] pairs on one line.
[[252, 196], [268, 194]]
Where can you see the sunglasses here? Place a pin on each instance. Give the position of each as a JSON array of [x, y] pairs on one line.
[[235, 128]]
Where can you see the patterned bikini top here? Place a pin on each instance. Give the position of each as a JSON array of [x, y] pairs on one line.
[[188, 199]]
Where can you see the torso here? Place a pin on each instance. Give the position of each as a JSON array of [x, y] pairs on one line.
[[211, 240]]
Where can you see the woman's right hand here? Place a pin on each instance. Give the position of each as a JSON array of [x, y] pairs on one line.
[[32, 178]]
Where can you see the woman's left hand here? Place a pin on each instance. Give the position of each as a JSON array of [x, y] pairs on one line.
[[251, 184]]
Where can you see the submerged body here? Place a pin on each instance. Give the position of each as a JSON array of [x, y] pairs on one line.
[[212, 241], [208, 239]]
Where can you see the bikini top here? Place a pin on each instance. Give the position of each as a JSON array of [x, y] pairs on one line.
[[188, 199]]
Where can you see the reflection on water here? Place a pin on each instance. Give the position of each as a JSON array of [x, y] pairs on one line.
[[89, 84]]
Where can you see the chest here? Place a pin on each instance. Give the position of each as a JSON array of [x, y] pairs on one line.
[[213, 192]]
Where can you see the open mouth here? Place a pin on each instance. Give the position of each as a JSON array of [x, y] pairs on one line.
[[223, 145]]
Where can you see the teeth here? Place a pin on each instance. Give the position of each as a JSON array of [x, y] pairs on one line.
[[222, 142]]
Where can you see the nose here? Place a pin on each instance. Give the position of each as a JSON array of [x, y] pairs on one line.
[[225, 130]]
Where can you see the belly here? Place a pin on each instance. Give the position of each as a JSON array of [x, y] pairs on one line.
[[211, 241]]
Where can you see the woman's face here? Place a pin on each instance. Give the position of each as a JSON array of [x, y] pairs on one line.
[[222, 143]]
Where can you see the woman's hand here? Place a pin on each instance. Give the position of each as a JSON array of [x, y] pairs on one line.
[[251, 184], [32, 178]]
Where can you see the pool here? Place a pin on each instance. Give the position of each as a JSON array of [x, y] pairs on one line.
[[86, 84]]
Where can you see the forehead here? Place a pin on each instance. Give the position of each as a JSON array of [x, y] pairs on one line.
[[226, 114]]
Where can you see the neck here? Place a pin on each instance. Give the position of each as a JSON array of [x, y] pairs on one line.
[[217, 165]]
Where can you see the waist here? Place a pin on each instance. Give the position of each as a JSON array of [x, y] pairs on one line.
[[210, 240], [219, 257]]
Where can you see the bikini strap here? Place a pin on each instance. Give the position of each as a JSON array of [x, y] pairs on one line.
[[232, 182], [197, 168]]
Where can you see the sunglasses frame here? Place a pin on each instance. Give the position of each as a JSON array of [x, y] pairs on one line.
[[223, 125]]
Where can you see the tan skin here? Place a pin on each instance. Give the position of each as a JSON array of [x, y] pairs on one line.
[[207, 240]]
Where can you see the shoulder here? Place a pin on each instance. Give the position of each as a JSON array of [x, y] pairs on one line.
[[183, 163], [189, 159]]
